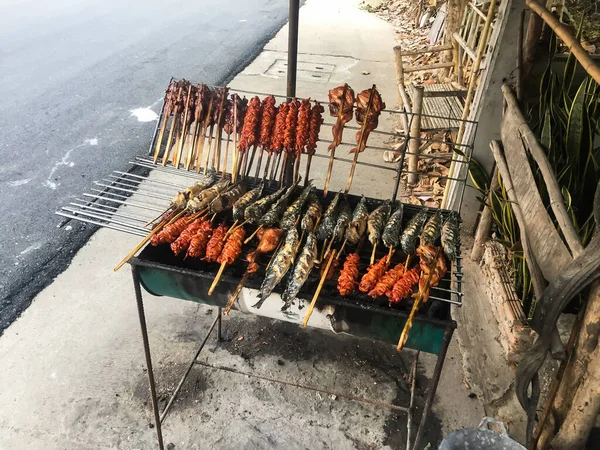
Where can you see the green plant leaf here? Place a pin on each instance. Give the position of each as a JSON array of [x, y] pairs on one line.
[[546, 138], [575, 128]]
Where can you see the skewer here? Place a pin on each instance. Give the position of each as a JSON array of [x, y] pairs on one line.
[[203, 135], [231, 230], [360, 140], [273, 255], [300, 241], [373, 253], [407, 263], [157, 217], [179, 149], [252, 235], [416, 305], [267, 166], [226, 156], [329, 246], [147, 238], [217, 278], [247, 169], [332, 154], [259, 162], [163, 127], [390, 254], [307, 172], [342, 247], [310, 309], [217, 151], [210, 138], [174, 123], [190, 153], [282, 174], [297, 167], [235, 150], [236, 293], [275, 168]]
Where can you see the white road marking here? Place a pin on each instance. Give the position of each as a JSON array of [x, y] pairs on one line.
[[65, 162], [19, 182], [144, 114]]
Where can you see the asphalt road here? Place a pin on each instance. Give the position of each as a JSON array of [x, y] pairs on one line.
[[71, 72]]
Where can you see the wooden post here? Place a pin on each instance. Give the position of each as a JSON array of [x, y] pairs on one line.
[[403, 101], [414, 143], [482, 234]]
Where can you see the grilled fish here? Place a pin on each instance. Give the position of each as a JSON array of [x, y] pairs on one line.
[[256, 210], [312, 214], [282, 262], [411, 232], [202, 201], [357, 227], [431, 230], [246, 200], [293, 211], [377, 220], [302, 269], [271, 217], [226, 200], [451, 236], [391, 231], [343, 219], [181, 199], [325, 228]]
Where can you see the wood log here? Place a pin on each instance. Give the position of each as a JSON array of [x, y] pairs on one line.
[[484, 228], [403, 101]]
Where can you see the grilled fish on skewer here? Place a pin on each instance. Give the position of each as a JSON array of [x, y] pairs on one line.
[[404, 286], [412, 231], [281, 263], [257, 209], [451, 236], [348, 278], [214, 247], [377, 220], [272, 216], [374, 273], [391, 231], [239, 207], [198, 243], [431, 230], [327, 225], [357, 227], [229, 196], [302, 269], [343, 219], [387, 281], [171, 232], [181, 199], [293, 211], [182, 243], [202, 201], [312, 214]]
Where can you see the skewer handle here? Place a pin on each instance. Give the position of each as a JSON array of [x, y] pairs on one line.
[[235, 294], [318, 291], [217, 278], [252, 235], [373, 253]]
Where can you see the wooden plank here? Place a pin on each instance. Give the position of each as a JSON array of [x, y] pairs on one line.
[[546, 244], [437, 48], [468, 50], [408, 69]]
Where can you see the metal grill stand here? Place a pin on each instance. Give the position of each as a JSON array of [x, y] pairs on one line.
[[159, 416]]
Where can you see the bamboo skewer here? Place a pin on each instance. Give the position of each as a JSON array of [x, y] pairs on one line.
[[282, 174], [231, 230], [159, 227], [226, 156], [342, 247], [210, 138], [297, 167], [300, 241], [236, 293], [151, 221], [184, 129], [163, 127], [219, 131], [310, 309], [360, 140], [252, 235], [332, 154], [174, 123], [373, 253], [307, 171], [259, 162], [217, 278], [275, 168], [267, 165], [192, 147], [390, 254], [249, 167], [203, 135], [236, 152], [407, 263]]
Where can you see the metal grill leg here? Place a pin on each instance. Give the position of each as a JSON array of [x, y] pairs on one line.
[[413, 382], [219, 324], [142, 316], [433, 387]]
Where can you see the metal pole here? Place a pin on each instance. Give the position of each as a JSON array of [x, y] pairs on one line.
[[219, 324], [294, 12], [140, 306], [434, 384]]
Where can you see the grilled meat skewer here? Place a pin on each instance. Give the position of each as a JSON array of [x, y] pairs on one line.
[[348, 278]]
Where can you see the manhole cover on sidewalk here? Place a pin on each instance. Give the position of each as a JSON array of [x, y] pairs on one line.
[[306, 70]]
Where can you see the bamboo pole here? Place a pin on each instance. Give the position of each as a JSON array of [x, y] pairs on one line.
[[568, 39], [484, 228], [414, 142], [403, 101]]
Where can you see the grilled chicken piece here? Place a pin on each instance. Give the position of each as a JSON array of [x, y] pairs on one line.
[[372, 119], [341, 106]]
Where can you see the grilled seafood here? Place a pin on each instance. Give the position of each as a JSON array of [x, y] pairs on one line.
[[343, 219], [357, 227], [274, 213], [376, 221], [371, 118], [182, 243], [349, 275], [281, 263], [341, 106], [257, 209], [250, 129], [302, 269], [391, 231], [214, 247], [325, 228], [374, 273], [312, 214], [198, 243], [246, 200], [404, 286], [233, 247], [293, 211], [451, 236], [227, 199], [171, 232], [431, 230], [268, 240], [181, 199], [202, 201], [387, 281], [411, 232]]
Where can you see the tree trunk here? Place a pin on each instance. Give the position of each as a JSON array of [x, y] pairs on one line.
[[454, 15], [532, 37]]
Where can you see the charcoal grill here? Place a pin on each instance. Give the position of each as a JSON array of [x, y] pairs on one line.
[[125, 201]]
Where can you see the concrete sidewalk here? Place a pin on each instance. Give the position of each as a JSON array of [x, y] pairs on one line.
[[73, 376]]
